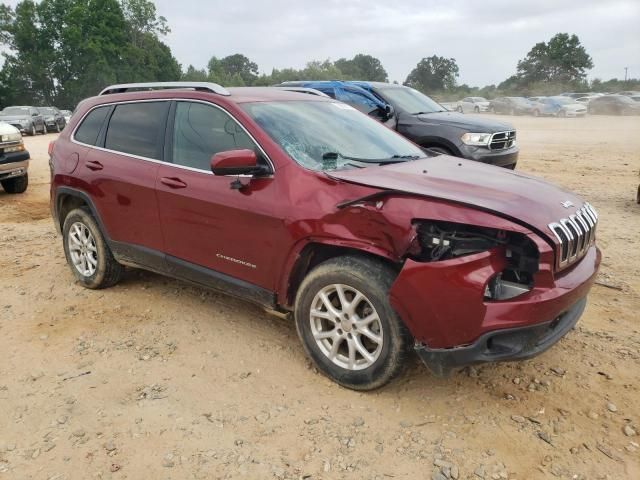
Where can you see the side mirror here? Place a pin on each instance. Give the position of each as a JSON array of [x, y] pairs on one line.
[[35, 114], [236, 162], [389, 111]]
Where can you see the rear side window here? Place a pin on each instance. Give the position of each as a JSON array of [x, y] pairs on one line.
[[89, 129], [137, 129], [200, 131]]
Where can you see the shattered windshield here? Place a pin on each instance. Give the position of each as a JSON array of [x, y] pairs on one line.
[[327, 136]]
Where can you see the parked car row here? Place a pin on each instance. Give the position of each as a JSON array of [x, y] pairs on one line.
[[33, 120], [372, 246], [563, 105]]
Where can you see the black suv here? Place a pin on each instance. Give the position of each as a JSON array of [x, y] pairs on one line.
[[426, 122]]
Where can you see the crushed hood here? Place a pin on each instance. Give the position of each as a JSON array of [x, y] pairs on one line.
[[512, 195]]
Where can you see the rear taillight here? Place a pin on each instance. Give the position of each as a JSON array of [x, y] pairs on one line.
[[51, 145]]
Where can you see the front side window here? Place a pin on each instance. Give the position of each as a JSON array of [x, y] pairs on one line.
[[136, 129], [89, 129], [330, 136], [410, 100], [200, 131]]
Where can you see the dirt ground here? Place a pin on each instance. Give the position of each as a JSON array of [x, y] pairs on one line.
[[157, 379]]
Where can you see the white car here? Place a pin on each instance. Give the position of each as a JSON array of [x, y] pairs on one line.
[[473, 104], [14, 160], [586, 100]]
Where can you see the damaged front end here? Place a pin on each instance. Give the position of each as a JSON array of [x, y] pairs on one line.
[[474, 294], [441, 241]]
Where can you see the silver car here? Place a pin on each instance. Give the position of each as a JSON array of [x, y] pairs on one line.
[[473, 104]]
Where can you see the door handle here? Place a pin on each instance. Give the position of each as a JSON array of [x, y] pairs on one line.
[[94, 165], [173, 182]]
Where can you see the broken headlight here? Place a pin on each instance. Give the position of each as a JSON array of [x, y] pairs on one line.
[[446, 240]]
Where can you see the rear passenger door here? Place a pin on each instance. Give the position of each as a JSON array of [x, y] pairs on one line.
[[120, 173]]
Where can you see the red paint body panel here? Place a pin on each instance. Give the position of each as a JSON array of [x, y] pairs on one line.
[[124, 192], [443, 302], [505, 192], [257, 233]]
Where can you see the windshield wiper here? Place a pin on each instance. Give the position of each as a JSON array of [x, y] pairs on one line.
[[392, 159]]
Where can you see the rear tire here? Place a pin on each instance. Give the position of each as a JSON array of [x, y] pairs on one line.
[[536, 113], [459, 109], [87, 252], [476, 110], [562, 114], [342, 312], [512, 112], [16, 184]]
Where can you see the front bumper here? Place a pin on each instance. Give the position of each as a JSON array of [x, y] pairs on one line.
[[443, 306], [501, 158], [14, 165], [503, 345]]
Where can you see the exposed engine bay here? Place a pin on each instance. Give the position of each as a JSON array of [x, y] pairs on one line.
[[446, 240]]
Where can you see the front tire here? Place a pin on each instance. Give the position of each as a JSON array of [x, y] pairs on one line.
[[441, 151], [347, 325], [459, 109], [87, 252], [16, 184], [33, 131], [476, 110], [536, 113]]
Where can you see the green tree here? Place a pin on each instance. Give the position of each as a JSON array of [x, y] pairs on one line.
[[6, 20], [561, 60], [362, 67], [434, 74], [61, 51], [141, 18], [235, 66], [194, 75]]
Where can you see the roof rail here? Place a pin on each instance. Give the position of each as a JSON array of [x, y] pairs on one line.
[[201, 86]]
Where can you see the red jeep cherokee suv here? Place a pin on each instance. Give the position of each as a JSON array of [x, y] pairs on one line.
[[306, 206]]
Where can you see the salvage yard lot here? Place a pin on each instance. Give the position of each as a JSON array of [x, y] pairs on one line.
[[155, 378]]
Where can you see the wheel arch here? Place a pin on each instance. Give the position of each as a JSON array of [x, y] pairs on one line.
[[310, 254], [428, 142], [68, 199]]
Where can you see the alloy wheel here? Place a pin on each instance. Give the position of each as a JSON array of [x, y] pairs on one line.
[[82, 249], [346, 327]]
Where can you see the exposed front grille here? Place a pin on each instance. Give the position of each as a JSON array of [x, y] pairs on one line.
[[502, 140], [576, 234]]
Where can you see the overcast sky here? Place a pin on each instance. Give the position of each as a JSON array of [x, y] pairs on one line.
[[486, 37]]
